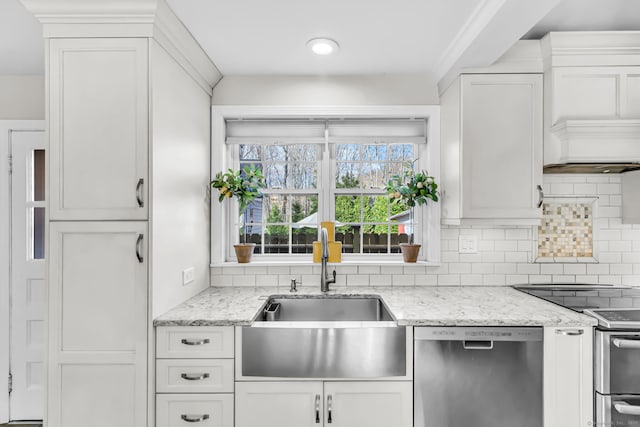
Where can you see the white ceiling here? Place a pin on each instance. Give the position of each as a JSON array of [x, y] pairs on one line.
[[375, 36], [249, 37], [589, 15]]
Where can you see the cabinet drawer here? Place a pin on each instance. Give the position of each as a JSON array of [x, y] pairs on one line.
[[194, 342], [194, 375], [203, 410]]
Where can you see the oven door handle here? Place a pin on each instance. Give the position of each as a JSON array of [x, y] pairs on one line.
[[624, 408], [622, 343]]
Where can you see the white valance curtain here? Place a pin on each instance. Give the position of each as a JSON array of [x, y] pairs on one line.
[[322, 131]]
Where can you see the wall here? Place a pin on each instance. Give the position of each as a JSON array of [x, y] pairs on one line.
[[180, 126], [409, 89], [21, 97], [504, 258]]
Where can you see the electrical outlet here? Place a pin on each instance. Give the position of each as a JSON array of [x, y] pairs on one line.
[[468, 244], [188, 275]]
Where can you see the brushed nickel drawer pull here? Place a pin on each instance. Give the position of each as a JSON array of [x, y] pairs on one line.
[[194, 377], [571, 333], [329, 409], [317, 409], [195, 342], [194, 418]]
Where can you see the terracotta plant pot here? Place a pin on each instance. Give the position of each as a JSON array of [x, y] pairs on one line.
[[244, 252], [410, 251]]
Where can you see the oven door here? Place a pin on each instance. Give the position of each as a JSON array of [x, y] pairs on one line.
[[618, 410], [617, 362]]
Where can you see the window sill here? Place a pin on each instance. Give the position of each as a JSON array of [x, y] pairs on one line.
[[303, 263]]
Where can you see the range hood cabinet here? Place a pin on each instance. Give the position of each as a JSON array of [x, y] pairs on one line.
[[591, 102]]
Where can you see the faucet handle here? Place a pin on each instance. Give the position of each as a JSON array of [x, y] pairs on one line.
[[293, 286], [334, 275]]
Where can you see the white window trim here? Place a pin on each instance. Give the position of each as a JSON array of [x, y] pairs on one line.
[[221, 159]]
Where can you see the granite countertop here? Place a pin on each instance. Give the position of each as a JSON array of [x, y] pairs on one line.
[[415, 306]]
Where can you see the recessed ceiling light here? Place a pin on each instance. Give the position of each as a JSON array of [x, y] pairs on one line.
[[322, 46]]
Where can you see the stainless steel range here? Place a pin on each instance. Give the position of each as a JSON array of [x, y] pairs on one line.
[[617, 345]]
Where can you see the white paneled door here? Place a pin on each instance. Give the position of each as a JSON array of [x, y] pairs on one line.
[[27, 274]]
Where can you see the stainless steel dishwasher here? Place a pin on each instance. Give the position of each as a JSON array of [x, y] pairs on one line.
[[480, 377]]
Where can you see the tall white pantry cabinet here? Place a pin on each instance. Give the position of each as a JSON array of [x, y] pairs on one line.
[[128, 126], [98, 232]]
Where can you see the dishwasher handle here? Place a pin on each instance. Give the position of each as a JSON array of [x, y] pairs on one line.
[[477, 345]]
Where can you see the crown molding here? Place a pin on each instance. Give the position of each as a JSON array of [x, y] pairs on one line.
[[127, 18], [591, 48]]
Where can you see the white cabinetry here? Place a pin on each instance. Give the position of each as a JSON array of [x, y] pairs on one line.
[[194, 376], [98, 129], [492, 149], [340, 403], [568, 377], [97, 325], [98, 257]]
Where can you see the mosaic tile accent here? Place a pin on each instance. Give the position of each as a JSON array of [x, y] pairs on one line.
[[566, 230]]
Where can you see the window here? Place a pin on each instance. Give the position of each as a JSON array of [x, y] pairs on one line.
[[321, 169]]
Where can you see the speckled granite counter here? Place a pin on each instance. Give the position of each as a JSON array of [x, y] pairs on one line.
[[417, 306]]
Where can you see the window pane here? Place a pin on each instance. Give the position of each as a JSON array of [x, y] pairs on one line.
[[304, 215], [373, 175], [277, 239], [350, 238], [348, 209], [348, 175], [348, 152], [375, 153], [38, 233], [376, 209], [374, 239], [251, 152], [303, 175], [38, 175], [401, 152]]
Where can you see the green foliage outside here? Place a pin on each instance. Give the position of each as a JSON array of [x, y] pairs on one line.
[[275, 215]]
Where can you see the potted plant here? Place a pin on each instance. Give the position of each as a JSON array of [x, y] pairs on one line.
[[411, 189], [245, 185]]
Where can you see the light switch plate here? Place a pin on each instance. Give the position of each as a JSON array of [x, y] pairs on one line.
[[188, 276], [468, 244]]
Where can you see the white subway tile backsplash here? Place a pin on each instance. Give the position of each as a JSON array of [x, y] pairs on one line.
[[358, 280], [460, 268], [585, 189], [384, 279], [403, 280], [505, 254], [575, 269]]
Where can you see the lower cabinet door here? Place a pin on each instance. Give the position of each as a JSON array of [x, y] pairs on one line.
[[278, 404], [203, 410], [568, 377], [369, 404]]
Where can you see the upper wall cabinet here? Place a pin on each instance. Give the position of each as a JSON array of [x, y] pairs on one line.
[[492, 149], [98, 114]]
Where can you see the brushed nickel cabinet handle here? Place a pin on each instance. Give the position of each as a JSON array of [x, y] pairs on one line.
[[571, 332], [329, 409], [195, 342], [139, 193], [194, 377], [139, 248], [540, 196], [317, 409], [194, 418]]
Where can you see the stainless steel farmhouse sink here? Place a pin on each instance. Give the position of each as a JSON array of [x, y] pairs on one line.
[[324, 337], [326, 309]]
